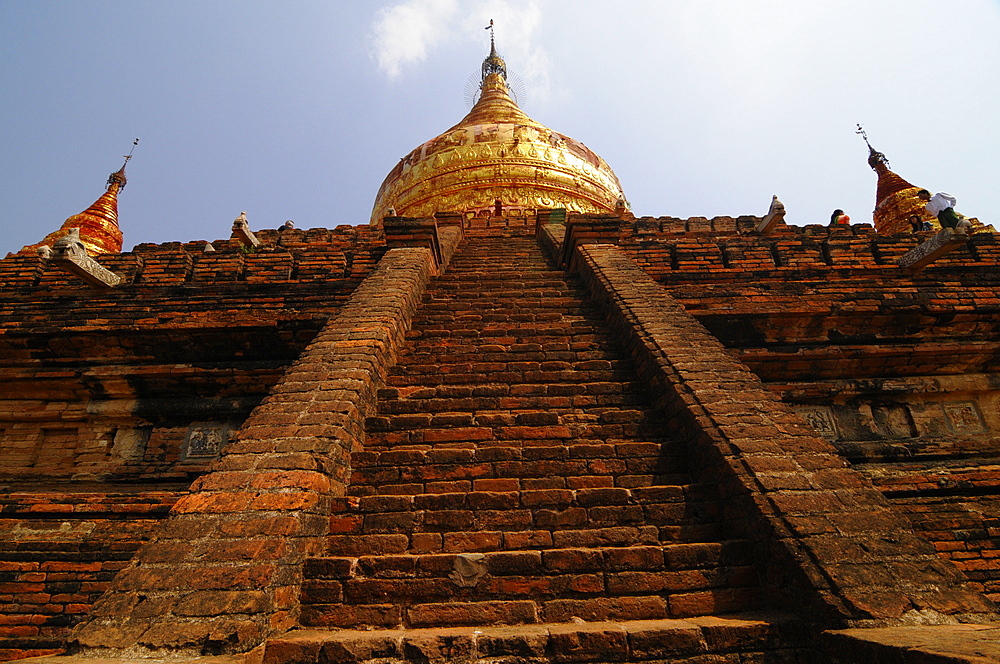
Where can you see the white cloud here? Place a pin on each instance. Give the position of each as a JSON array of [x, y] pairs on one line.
[[517, 24], [407, 32], [404, 32]]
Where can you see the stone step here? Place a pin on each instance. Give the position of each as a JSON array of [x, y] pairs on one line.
[[507, 423], [587, 497], [457, 350], [508, 349], [399, 378], [461, 277], [698, 639], [507, 436], [580, 406], [568, 299], [390, 614], [485, 539], [553, 369], [540, 304], [671, 512], [513, 468], [514, 587], [604, 388], [610, 559], [541, 333], [615, 457], [508, 322]]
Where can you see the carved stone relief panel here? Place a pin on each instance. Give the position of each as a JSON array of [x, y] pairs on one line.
[[821, 419], [205, 440], [964, 417]]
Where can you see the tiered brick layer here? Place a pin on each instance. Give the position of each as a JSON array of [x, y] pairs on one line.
[[59, 550]]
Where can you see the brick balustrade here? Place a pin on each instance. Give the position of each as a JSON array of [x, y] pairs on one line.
[[853, 557], [225, 571]]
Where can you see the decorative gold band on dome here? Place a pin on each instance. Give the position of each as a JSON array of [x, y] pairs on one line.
[[497, 153]]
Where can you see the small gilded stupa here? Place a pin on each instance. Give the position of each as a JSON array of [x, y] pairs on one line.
[[896, 200], [497, 160], [98, 224]]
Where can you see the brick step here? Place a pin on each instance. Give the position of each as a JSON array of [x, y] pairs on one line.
[[490, 346], [626, 456], [512, 539], [541, 300], [496, 349], [572, 303], [486, 429], [636, 582], [462, 313], [553, 561], [425, 363], [505, 436], [462, 278], [501, 419], [665, 509], [485, 378], [20, 647], [541, 333], [584, 406], [657, 496], [448, 478], [506, 319], [696, 639], [612, 389], [414, 470], [390, 614]]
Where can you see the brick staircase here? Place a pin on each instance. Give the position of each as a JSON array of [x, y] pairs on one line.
[[514, 475]]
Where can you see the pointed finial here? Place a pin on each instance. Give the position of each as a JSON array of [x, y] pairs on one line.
[[119, 175], [875, 158], [493, 64]]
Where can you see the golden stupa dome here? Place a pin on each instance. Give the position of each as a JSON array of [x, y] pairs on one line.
[[498, 157]]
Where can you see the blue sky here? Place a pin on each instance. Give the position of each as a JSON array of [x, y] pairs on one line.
[[297, 110]]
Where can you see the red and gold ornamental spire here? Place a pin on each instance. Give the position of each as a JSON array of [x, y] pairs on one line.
[[896, 199], [98, 224], [498, 161]]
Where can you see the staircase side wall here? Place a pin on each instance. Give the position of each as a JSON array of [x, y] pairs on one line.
[[851, 557], [224, 571]]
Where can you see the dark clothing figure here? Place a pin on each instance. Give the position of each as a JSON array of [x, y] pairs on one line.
[[917, 224], [838, 217]]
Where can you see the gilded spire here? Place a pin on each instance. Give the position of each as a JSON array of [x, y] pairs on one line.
[[895, 199], [493, 64], [98, 224], [497, 153]]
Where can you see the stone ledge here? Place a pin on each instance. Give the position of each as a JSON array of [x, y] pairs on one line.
[[927, 644], [563, 642]]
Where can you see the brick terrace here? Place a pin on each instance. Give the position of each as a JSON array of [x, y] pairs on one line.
[[514, 426]]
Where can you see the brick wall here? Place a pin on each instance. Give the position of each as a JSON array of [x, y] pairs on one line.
[[106, 394], [780, 479], [226, 568]]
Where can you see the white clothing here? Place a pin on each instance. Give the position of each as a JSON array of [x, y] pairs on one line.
[[940, 201]]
